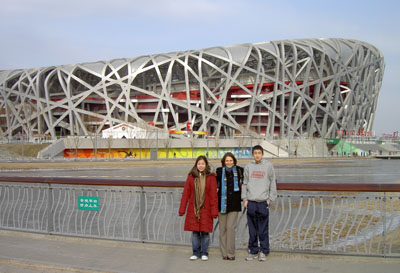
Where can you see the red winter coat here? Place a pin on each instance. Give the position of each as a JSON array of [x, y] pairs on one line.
[[210, 207]]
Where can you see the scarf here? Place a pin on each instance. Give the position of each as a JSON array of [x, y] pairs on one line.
[[199, 191], [224, 186]]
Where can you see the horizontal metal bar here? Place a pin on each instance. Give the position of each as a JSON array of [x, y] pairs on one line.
[[344, 187], [93, 181]]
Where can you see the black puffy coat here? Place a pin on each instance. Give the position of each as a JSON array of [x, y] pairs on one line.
[[234, 202]]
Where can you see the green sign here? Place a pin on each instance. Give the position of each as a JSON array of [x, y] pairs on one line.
[[332, 140], [88, 202]]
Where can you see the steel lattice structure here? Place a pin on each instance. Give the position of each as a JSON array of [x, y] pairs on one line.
[[308, 87]]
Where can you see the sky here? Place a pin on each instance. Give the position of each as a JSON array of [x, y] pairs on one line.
[[38, 33]]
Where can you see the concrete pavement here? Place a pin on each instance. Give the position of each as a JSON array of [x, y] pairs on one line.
[[29, 252], [24, 252]]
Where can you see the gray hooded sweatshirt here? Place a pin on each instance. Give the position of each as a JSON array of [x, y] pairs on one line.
[[259, 182]]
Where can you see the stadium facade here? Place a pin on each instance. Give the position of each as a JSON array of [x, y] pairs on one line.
[[307, 87]]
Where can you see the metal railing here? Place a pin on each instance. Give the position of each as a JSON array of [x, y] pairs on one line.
[[354, 219]]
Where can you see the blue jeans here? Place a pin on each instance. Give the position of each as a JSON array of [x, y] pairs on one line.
[[200, 242], [257, 220]]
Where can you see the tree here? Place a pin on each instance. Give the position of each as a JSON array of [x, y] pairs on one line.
[[109, 141], [296, 144], [76, 142], [193, 142], [313, 142], [243, 142], [131, 140], [217, 142], [146, 136], [244, 139], [278, 143], [167, 144], [342, 146], [93, 139]]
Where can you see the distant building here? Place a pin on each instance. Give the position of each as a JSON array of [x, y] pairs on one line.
[[130, 131], [307, 87]]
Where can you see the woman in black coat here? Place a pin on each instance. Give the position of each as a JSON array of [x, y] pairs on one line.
[[229, 179]]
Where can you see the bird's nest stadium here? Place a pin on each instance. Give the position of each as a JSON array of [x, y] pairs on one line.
[[304, 87]]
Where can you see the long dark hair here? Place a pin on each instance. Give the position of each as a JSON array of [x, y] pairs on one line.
[[195, 172]]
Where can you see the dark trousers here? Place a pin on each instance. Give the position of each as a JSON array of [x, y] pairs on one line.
[[200, 242], [257, 220]]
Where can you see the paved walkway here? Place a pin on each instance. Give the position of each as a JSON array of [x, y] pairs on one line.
[[28, 252]]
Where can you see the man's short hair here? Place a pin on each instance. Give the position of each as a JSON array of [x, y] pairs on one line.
[[257, 147]]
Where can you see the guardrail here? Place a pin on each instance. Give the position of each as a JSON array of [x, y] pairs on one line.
[[354, 219]]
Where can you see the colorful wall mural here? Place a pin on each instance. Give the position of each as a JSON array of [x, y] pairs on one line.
[[106, 153], [179, 153], [209, 153]]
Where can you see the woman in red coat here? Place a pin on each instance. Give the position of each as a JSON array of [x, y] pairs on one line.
[[200, 192]]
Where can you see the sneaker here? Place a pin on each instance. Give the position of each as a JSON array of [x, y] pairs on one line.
[[193, 258], [251, 257], [204, 258], [262, 257]]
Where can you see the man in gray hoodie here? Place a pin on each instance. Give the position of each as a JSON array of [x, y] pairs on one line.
[[258, 191]]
